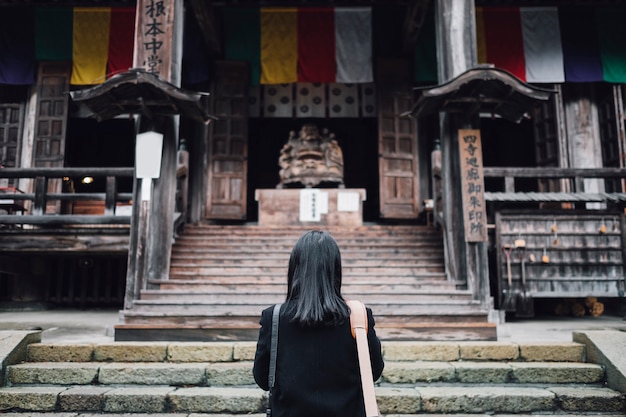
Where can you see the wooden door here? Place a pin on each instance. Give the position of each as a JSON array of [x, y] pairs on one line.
[[228, 143], [397, 158], [51, 122]]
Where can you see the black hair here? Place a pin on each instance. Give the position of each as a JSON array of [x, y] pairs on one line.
[[314, 281]]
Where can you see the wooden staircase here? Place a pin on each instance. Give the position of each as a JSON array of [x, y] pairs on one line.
[[222, 277]]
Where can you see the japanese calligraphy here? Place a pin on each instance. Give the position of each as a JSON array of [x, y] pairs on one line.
[[473, 187], [154, 37]]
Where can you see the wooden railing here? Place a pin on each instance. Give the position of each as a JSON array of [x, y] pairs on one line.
[[571, 182], [33, 205]]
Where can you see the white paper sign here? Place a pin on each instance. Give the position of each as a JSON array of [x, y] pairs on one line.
[[322, 202], [148, 151], [348, 201], [309, 205]]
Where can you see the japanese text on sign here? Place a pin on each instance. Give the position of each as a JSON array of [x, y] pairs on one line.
[[154, 35], [472, 183]]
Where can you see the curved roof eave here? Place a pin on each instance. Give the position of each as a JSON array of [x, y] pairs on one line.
[[481, 89], [137, 91]]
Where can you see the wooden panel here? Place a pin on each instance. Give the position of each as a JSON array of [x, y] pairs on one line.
[[397, 158], [565, 255], [228, 144]]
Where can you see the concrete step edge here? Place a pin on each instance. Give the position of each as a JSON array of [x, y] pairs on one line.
[[410, 400], [240, 373], [235, 351]]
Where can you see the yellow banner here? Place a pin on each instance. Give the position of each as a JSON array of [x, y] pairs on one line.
[[90, 45], [279, 45]]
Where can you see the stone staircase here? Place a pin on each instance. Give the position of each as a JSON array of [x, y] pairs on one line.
[[215, 378], [222, 277]]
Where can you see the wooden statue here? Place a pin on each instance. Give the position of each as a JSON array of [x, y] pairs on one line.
[[310, 159]]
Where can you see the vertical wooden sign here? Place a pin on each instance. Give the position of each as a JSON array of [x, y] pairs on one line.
[[154, 37], [473, 185]]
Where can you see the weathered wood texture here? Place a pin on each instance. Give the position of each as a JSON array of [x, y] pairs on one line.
[[472, 185], [155, 39], [566, 185], [227, 168], [565, 254], [51, 123], [282, 208], [399, 192]]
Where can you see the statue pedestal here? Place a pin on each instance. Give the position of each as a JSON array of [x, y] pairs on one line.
[[311, 206]]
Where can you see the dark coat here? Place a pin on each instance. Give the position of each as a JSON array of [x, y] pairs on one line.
[[317, 370]]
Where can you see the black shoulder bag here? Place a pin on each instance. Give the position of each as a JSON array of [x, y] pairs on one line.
[[273, 350]]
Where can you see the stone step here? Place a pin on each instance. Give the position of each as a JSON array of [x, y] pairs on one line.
[[434, 280], [283, 253], [190, 259], [281, 273], [380, 269], [338, 232], [240, 373], [444, 399], [223, 352], [89, 414], [423, 279], [362, 292], [369, 244], [253, 304], [206, 285]]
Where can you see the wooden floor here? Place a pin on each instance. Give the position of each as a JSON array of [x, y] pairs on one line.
[[222, 277]]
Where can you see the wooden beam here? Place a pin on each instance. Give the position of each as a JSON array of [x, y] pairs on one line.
[[205, 17]]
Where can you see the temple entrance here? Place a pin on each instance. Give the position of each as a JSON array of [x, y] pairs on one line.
[[356, 137]]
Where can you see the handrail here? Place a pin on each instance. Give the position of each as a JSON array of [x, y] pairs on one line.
[[66, 172], [549, 172], [41, 195], [574, 175]]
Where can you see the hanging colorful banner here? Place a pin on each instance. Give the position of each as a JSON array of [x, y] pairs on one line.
[[121, 40], [90, 45], [554, 45], [279, 45], [98, 41], [288, 45]]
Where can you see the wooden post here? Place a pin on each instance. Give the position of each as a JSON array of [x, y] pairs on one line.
[[158, 49], [456, 46], [161, 213]]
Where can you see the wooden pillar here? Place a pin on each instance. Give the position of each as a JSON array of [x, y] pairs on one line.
[[582, 125], [158, 50], [161, 230], [456, 53]]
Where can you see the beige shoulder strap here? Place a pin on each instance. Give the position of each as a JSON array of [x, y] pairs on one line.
[[358, 324]]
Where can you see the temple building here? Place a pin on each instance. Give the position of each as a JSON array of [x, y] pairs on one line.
[[162, 156]]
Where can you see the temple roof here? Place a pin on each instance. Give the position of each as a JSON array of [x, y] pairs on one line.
[[139, 92], [483, 89]]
